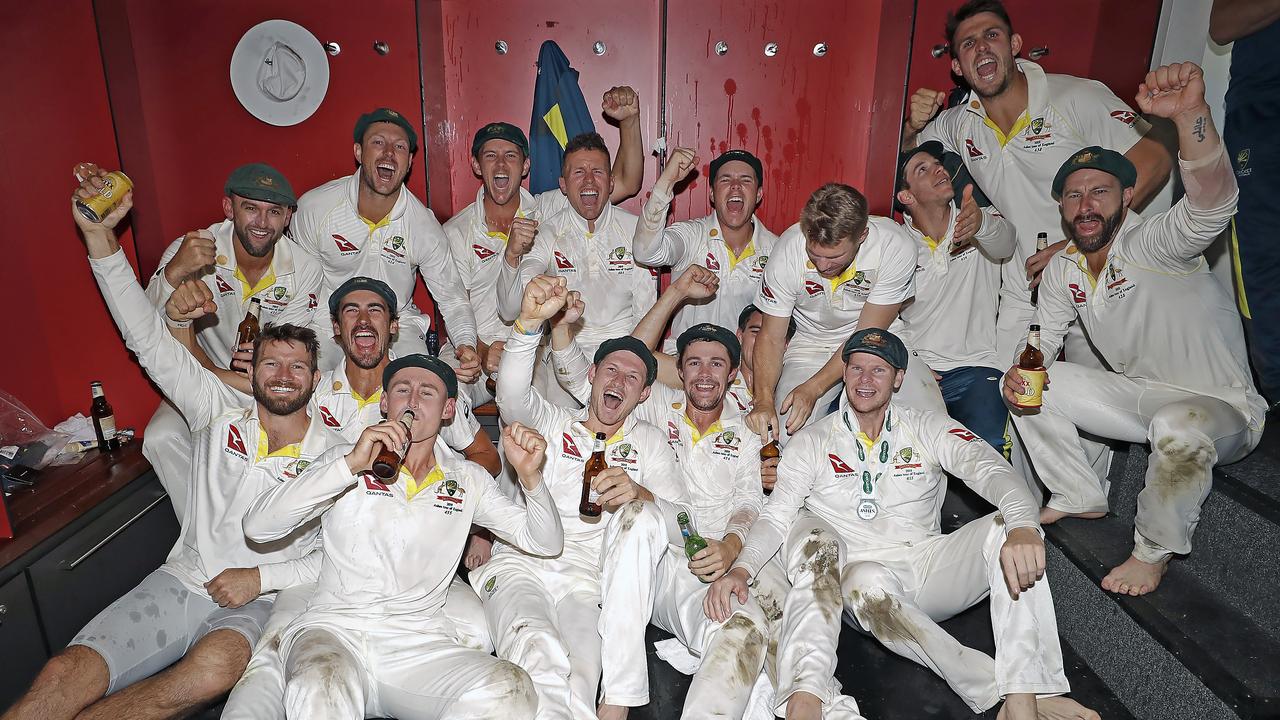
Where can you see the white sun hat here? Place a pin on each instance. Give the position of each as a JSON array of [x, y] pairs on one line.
[[279, 72]]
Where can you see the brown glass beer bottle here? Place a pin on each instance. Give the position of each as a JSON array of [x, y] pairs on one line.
[[589, 506]]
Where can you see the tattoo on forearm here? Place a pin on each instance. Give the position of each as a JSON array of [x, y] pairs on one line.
[[1198, 129]]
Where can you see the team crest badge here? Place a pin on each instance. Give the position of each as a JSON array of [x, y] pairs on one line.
[[906, 454], [397, 243], [279, 291], [620, 253], [1037, 126]]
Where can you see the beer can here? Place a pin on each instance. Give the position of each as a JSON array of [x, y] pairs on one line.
[[1035, 388], [114, 187]]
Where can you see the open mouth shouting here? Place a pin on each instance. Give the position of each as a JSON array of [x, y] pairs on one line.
[[501, 181], [1088, 224], [364, 340], [385, 170], [986, 69], [611, 399], [590, 198]]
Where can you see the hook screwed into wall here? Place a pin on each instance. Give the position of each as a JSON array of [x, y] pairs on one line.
[[722, 47], [820, 49], [332, 48], [381, 47], [500, 47], [598, 48], [770, 49]]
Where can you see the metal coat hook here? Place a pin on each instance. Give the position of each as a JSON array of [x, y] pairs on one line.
[[722, 47], [500, 47], [381, 47], [1038, 52], [940, 50], [598, 48], [820, 49], [332, 48], [770, 49]]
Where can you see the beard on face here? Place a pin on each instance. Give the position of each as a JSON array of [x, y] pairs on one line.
[[1109, 227], [705, 405], [242, 235], [281, 405]]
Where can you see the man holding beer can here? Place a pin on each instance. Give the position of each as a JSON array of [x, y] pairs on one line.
[[1144, 294], [551, 615]]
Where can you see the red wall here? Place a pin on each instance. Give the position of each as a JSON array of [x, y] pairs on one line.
[[468, 84], [58, 334]]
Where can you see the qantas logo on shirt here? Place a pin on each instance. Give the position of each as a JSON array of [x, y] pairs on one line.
[[482, 252], [375, 487], [673, 432], [838, 465], [812, 288], [1124, 116], [235, 443], [974, 152], [570, 448], [712, 263], [312, 303], [344, 245], [1077, 295], [224, 288], [327, 418], [765, 291], [562, 262], [963, 434]]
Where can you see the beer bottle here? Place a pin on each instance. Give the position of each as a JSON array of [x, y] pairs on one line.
[[770, 451], [104, 419], [589, 506], [1042, 243], [1031, 368], [249, 328], [386, 467], [432, 336], [693, 542]]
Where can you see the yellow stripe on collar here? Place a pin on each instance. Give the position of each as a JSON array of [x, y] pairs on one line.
[[290, 451], [747, 252], [361, 402], [843, 277], [413, 487], [375, 225], [1023, 121], [267, 281], [693, 429]]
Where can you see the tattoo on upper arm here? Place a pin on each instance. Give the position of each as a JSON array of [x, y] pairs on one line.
[[1198, 129]]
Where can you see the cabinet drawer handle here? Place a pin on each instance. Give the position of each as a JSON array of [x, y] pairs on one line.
[[73, 564]]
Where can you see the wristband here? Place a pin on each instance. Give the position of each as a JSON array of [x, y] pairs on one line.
[[179, 324], [520, 328]]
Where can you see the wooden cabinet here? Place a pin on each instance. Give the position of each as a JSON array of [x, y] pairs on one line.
[[21, 644]]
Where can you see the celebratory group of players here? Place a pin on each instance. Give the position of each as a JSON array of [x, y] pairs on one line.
[[878, 353]]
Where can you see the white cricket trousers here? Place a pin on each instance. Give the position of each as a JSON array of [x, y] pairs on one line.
[[1189, 434], [410, 674], [167, 445], [899, 595], [259, 695], [800, 362], [646, 577]]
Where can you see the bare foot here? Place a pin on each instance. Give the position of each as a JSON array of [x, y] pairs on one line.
[[804, 706], [612, 712], [1134, 577], [1049, 516]]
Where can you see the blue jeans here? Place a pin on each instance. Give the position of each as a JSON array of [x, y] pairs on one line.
[[972, 395]]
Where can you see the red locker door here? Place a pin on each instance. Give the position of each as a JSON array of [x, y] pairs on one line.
[[468, 83], [810, 118]]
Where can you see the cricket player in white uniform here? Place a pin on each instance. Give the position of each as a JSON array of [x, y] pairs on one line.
[[1013, 131], [857, 514], [837, 271], [731, 242], [370, 224], [204, 608], [720, 466], [505, 216], [245, 257], [588, 244], [545, 613], [1143, 292], [348, 399], [374, 639], [951, 321]]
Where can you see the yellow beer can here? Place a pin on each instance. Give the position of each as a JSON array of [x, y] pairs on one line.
[[114, 187]]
